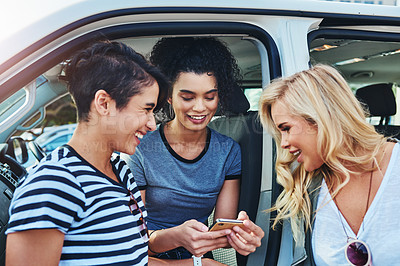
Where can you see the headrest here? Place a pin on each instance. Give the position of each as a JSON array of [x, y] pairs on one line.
[[379, 98], [237, 103]]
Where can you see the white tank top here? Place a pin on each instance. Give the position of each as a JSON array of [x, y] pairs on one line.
[[380, 229]]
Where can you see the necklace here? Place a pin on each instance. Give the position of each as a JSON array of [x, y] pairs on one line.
[[356, 251], [366, 207]]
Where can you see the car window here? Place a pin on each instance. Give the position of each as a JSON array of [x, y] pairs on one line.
[[363, 62], [253, 96], [13, 100], [56, 143]]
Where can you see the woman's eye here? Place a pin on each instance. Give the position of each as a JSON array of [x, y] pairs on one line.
[[210, 98], [285, 129], [186, 99]]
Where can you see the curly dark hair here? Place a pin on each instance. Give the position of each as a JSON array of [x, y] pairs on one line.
[[198, 55], [114, 67]]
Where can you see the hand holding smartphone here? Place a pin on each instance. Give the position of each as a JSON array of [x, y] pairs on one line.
[[221, 224]]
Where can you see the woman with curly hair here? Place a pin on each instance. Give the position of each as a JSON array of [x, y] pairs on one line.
[[340, 177], [184, 169]]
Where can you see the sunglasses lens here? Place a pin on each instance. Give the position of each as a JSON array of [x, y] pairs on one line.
[[357, 253]]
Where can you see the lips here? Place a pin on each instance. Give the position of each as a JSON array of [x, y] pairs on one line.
[[296, 153], [197, 119], [139, 135]]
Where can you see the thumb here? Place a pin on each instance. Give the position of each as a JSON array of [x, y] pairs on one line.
[[197, 226], [243, 216]]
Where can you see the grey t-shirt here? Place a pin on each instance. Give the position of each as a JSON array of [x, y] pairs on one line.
[[178, 189]]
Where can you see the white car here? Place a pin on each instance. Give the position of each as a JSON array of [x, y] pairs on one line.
[[268, 38]]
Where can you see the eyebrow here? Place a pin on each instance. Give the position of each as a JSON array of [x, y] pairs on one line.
[[191, 92]]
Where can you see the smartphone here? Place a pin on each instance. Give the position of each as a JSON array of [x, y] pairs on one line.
[[220, 224]]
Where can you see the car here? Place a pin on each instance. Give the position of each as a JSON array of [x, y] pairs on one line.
[[50, 138], [269, 39], [55, 136]]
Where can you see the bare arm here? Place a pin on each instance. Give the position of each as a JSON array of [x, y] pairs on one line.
[[186, 262], [34, 247], [228, 200]]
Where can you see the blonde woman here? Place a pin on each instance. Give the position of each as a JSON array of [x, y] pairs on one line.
[[340, 178]]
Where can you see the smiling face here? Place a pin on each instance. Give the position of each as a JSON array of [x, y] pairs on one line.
[[194, 100], [297, 135], [133, 121]]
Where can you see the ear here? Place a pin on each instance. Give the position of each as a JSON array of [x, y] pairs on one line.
[[169, 100], [103, 103]]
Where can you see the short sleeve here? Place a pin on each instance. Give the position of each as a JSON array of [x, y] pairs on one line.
[[135, 164], [234, 163], [49, 198]]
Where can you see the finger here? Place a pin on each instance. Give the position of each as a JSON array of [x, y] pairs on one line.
[[217, 234], [202, 247], [243, 216], [196, 225], [251, 227], [239, 246], [246, 237]]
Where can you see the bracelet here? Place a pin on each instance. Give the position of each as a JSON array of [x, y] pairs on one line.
[[197, 260]]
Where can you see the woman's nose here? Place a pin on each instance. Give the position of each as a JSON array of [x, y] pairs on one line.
[[151, 124], [284, 142], [199, 106]]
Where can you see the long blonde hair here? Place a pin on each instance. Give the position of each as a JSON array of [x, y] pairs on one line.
[[322, 97]]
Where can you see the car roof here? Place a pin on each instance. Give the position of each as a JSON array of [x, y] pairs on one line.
[[26, 22]]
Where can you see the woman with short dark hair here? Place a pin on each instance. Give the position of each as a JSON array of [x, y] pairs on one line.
[[80, 205]]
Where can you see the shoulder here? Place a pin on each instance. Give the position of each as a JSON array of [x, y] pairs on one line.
[[223, 142], [218, 137], [57, 169]]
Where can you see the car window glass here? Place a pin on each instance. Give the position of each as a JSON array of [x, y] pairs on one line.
[[17, 99], [362, 63], [253, 95]]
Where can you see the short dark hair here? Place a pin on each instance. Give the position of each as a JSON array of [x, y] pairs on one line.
[[115, 68], [198, 55]]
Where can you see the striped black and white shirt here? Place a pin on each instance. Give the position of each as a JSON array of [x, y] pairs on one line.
[[67, 193]]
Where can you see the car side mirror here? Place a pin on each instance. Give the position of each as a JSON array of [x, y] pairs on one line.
[[17, 149]]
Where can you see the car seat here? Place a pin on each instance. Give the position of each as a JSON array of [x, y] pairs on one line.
[[380, 100]]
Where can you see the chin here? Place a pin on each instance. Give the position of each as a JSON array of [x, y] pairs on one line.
[[131, 151], [128, 150], [310, 168]]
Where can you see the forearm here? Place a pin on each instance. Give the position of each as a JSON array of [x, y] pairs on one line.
[[163, 240], [185, 262]]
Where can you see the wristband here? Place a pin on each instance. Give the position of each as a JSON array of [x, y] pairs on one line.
[[197, 260]]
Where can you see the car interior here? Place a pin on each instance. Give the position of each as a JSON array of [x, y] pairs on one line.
[[371, 65]]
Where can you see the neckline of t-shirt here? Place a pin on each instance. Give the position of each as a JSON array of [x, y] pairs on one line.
[[177, 156], [72, 150], [385, 180], [370, 212]]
